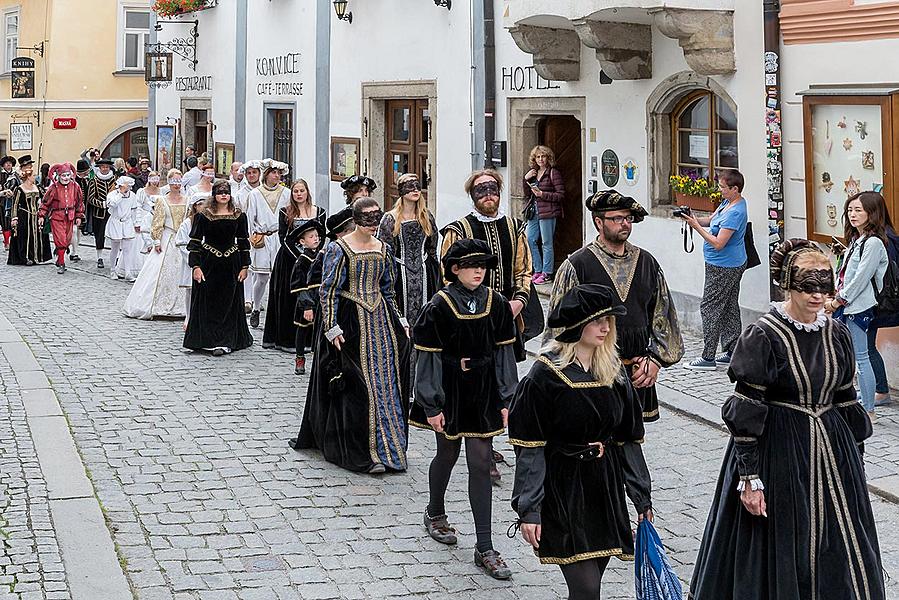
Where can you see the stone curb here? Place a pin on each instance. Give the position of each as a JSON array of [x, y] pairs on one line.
[[91, 564]]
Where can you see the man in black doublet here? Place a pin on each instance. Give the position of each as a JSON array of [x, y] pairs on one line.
[[649, 336]]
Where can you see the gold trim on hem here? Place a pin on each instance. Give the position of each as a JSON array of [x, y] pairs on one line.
[[506, 343], [616, 552], [653, 413], [426, 349], [458, 435], [526, 444]]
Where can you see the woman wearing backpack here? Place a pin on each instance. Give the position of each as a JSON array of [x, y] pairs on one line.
[[883, 320], [863, 268]]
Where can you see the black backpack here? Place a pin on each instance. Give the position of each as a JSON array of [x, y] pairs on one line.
[[888, 295]]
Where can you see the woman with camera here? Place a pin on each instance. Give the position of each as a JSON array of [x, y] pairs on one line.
[[545, 191], [724, 251]]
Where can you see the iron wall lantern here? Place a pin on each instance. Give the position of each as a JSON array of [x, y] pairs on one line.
[[340, 9]]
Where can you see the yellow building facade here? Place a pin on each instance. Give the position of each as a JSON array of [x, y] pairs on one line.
[[89, 88]]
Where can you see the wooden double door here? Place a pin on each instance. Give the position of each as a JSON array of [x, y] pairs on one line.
[[406, 145], [563, 135]]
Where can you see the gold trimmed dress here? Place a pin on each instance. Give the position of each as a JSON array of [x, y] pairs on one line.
[[561, 482], [357, 411], [477, 325], [797, 433], [29, 245]]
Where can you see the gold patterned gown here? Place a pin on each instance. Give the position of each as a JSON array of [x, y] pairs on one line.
[[30, 244], [156, 292], [357, 408]]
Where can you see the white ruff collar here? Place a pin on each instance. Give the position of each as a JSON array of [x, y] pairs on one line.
[[819, 322], [106, 177], [485, 219]]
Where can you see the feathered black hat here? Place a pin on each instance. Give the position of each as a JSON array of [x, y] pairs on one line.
[[606, 200], [359, 180], [581, 305], [467, 251]]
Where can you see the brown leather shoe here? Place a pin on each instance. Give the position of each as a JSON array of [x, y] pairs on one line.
[[438, 528], [493, 563]]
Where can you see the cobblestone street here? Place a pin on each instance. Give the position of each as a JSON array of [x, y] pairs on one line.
[[188, 457]]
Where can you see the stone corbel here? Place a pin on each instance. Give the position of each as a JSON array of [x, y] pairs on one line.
[[557, 52], [624, 50], [706, 36]]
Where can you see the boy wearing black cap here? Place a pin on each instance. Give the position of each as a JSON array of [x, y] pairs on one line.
[[465, 377], [308, 238]]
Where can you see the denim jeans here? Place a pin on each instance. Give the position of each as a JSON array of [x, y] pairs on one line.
[[880, 373], [544, 230], [865, 373]]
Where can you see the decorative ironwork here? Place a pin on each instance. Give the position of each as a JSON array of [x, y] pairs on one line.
[[448, 4], [158, 84], [185, 47], [39, 48]]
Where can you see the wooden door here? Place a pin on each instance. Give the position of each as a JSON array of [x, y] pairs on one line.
[[563, 135], [282, 137], [407, 135]]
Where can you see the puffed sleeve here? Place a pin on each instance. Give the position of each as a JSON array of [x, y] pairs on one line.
[[627, 442], [845, 398], [307, 298], [242, 238], [299, 274], [753, 368], [428, 363], [333, 277], [282, 225], [388, 290], [504, 353], [158, 223], [527, 432], [195, 243], [566, 279], [666, 346]]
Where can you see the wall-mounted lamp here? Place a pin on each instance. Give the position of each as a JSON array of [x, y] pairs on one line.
[[340, 9], [447, 3]]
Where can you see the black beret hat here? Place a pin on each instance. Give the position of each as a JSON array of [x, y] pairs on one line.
[[359, 180], [468, 251], [338, 222], [104, 161], [310, 225], [612, 200], [581, 305], [7, 159]]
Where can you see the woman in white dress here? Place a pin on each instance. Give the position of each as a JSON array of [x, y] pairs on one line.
[[120, 203], [263, 204], [156, 292], [143, 218], [203, 189]]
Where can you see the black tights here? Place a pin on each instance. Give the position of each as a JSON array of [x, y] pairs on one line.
[[478, 455], [584, 578]]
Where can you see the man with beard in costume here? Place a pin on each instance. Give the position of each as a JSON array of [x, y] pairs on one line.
[[648, 337]]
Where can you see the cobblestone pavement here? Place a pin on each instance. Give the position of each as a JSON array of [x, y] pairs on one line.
[[188, 456]]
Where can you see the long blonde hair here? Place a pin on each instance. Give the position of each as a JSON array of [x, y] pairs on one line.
[[422, 215], [605, 364]]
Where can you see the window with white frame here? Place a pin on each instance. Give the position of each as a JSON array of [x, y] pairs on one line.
[[11, 35], [135, 36]]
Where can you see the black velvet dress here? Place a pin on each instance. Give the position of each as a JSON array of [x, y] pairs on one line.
[[357, 408], [304, 292], [798, 427], [280, 331], [477, 325], [219, 245], [30, 243], [560, 482]]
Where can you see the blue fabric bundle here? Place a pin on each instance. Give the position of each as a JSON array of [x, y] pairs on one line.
[[656, 579]]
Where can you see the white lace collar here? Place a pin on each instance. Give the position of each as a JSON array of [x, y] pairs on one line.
[[819, 322], [485, 219]]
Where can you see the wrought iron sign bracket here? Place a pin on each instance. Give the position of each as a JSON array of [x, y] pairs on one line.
[[185, 47], [39, 48], [29, 115]]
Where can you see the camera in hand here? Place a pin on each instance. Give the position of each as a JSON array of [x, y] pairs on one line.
[[682, 211]]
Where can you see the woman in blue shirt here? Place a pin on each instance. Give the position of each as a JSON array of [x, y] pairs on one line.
[[725, 260]]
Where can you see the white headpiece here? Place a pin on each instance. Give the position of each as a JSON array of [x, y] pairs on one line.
[[270, 163], [124, 180], [250, 164]]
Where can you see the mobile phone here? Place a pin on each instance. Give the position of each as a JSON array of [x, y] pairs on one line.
[[534, 186]]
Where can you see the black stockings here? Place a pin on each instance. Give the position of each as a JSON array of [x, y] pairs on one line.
[[478, 455], [584, 578]]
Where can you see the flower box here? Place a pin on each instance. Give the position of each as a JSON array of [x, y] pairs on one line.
[[702, 203], [172, 8]]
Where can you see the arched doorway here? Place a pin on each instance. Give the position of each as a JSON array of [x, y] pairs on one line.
[[130, 143]]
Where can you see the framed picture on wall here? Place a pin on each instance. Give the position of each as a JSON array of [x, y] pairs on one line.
[[344, 157], [224, 156], [165, 148]]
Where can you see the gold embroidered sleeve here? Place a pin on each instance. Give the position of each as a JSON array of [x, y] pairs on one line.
[[158, 221], [450, 237], [523, 268], [566, 278], [665, 342]]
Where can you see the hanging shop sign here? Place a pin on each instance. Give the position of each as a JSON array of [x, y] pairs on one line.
[[277, 75], [158, 68], [610, 168], [22, 77], [20, 136], [65, 123]]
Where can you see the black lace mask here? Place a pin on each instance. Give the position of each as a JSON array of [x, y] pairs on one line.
[[482, 190], [370, 218], [407, 187], [812, 281]]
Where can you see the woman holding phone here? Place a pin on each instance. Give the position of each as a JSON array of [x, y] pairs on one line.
[[544, 189]]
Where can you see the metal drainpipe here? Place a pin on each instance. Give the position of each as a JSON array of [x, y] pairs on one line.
[[489, 79], [774, 230], [479, 81]]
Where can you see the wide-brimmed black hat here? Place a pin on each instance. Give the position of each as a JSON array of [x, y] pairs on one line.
[[8, 159], [359, 180], [82, 165], [25, 160], [310, 225], [581, 305], [338, 222], [105, 161], [470, 252], [606, 200]]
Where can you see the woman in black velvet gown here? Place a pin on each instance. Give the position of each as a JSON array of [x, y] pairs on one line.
[[791, 518], [219, 257], [576, 424]]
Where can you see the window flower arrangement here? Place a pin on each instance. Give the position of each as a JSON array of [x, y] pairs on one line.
[[696, 192], [170, 8]]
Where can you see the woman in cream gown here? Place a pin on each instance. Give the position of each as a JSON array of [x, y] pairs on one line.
[[156, 292]]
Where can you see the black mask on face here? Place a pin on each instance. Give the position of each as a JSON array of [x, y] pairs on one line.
[[407, 187], [369, 218], [482, 190], [812, 281]]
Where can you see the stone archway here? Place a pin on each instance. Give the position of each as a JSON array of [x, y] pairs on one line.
[[659, 106]]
